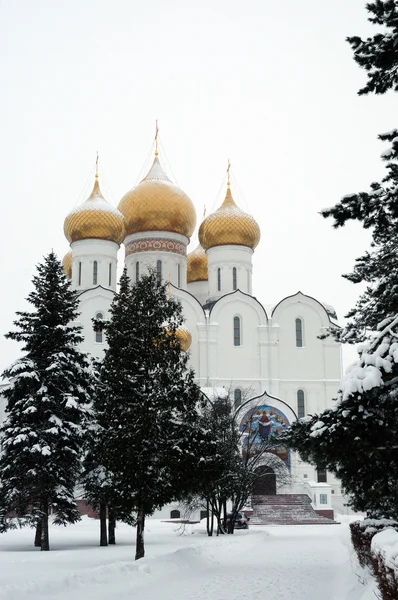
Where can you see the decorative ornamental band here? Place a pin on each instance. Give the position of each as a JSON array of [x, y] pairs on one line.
[[156, 245]]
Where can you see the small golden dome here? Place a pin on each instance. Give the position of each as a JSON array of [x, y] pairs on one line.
[[197, 262], [95, 219], [156, 204], [67, 264], [229, 225], [184, 337]]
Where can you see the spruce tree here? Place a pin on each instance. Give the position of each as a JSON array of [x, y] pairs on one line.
[[48, 406], [378, 54], [358, 437], [150, 403]]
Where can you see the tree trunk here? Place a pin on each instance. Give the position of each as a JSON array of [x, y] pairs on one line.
[[211, 522], [208, 518], [38, 535], [139, 547], [103, 534], [111, 524], [45, 540]]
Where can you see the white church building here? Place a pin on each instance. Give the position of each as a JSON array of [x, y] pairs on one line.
[[267, 356]]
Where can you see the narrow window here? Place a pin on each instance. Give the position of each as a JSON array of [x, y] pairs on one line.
[[236, 331], [219, 280], [300, 404], [234, 279], [159, 270], [321, 474], [110, 274], [323, 498], [238, 397], [299, 333], [178, 275], [95, 272], [137, 271], [175, 514], [80, 273], [99, 336]]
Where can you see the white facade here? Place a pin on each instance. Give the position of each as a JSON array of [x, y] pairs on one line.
[[274, 354]]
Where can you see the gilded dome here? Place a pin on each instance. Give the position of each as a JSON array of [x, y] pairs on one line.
[[197, 262], [184, 337], [156, 204], [67, 264], [95, 219], [229, 225]]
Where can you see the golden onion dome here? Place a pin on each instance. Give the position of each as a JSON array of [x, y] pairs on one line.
[[184, 337], [229, 225], [95, 219], [197, 263], [67, 264], [156, 204]]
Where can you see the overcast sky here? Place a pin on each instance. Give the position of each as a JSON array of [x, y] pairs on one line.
[[270, 85]]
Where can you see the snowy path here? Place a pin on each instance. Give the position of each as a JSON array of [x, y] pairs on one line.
[[276, 563], [287, 565]]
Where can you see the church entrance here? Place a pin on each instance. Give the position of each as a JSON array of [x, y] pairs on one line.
[[265, 483]]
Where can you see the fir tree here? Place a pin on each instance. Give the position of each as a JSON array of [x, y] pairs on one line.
[[376, 210], [378, 55], [149, 402], [47, 408], [358, 437]]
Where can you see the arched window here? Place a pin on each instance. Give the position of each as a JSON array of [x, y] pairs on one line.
[[95, 272], [300, 404], [80, 273], [236, 331], [137, 271], [175, 514], [219, 280], [179, 275], [159, 270], [234, 279], [110, 274], [99, 336], [299, 333], [237, 397]]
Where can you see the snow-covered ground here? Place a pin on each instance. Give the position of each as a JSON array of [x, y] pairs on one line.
[[270, 563]]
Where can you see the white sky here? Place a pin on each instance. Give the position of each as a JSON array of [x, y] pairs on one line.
[[270, 85]]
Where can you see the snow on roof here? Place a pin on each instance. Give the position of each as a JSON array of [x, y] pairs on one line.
[[213, 393], [330, 310]]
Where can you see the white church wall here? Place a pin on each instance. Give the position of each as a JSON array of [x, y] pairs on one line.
[[199, 289], [84, 254], [226, 258], [195, 323], [92, 302], [229, 363], [316, 359], [152, 246]]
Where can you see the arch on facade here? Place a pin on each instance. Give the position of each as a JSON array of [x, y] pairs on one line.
[[246, 300]]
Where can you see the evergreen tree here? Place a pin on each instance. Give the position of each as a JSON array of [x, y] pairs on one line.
[[378, 55], [150, 403], [376, 210], [47, 410], [358, 437]]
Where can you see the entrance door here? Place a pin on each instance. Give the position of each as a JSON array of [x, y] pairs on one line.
[[265, 483]]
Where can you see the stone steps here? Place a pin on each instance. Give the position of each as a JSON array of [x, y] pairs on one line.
[[285, 509]]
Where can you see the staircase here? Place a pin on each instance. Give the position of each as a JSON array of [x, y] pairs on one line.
[[285, 509]]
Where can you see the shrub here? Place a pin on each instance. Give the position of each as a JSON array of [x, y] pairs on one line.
[[362, 533]]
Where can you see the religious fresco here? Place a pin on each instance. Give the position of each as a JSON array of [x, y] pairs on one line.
[[258, 425]]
